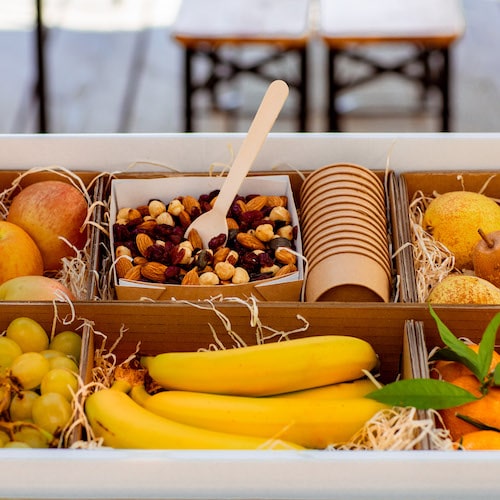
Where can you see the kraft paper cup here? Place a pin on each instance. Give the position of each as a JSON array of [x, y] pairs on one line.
[[330, 195], [347, 278], [315, 228], [325, 172], [328, 209], [351, 246], [332, 234], [344, 202], [338, 181], [335, 219]]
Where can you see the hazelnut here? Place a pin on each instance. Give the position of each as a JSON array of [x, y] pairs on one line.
[[280, 214], [285, 232], [264, 232], [156, 207], [209, 278], [165, 218], [175, 207], [224, 270], [240, 276], [122, 250]]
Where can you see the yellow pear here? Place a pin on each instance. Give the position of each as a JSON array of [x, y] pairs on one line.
[[454, 218], [464, 289]]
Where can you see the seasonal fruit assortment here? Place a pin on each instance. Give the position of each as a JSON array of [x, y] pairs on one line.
[[150, 245], [239, 398], [39, 377]]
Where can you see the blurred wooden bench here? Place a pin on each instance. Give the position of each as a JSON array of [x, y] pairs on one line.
[[205, 28], [430, 26]]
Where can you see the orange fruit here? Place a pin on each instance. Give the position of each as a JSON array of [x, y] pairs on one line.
[[485, 410], [450, 370], [481, 440]]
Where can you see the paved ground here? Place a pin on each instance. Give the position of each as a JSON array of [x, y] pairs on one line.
[[114, 68]]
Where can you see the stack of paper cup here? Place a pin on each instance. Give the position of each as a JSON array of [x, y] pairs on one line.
[[344, 235]]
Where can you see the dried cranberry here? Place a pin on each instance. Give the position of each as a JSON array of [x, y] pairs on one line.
[[217, 241], [205, 206], [172, 272], [265, 260], [250, 262]]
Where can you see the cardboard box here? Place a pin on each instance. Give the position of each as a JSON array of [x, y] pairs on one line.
[[136, 192], [410, 184], [226, 475], [92, 182]]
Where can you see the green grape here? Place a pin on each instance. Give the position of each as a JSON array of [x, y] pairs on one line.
[[63, 362], [51, 353], [68, 342], [21, 406], [16, 444], [34, 438], [29, 369], [29, 334], [61, 381], [9, 351], [4, 438], [52, 412]]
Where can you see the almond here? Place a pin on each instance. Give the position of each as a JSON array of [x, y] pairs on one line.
[[191, 205], [147, 224], [143, 242], [284, 256], [184, 218], [154, 271], [257, 203], [191, 277], [287, 269], [249, 241], [220, 255], [195, 239], [122, 265], [277, 201], [134, 273], [231, 223]]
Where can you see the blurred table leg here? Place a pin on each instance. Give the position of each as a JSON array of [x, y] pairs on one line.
[[40, 89]]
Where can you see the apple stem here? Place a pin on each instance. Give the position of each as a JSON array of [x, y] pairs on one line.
[[485, 238]]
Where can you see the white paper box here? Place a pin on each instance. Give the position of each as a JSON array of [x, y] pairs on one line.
[[135, 192]]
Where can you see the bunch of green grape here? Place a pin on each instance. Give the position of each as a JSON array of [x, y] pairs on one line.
[[38, 380]]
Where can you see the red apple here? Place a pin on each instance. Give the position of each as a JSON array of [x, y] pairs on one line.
[[49, 211], [20, 255], [34, 288]]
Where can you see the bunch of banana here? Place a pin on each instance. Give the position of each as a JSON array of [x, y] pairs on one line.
[[304, 393]]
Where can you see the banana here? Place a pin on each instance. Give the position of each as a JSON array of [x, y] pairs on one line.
[[265, 369], [299, 420], [122, 423], [343, 390]]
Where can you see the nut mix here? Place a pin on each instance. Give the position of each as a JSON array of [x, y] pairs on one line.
[[150, 245]]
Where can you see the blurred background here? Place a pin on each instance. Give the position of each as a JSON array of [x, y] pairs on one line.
[[113, 66]]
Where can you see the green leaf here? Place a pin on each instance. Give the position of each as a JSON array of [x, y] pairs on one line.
[[465, 355], [496, 375], [422, 394], [487, 346]]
